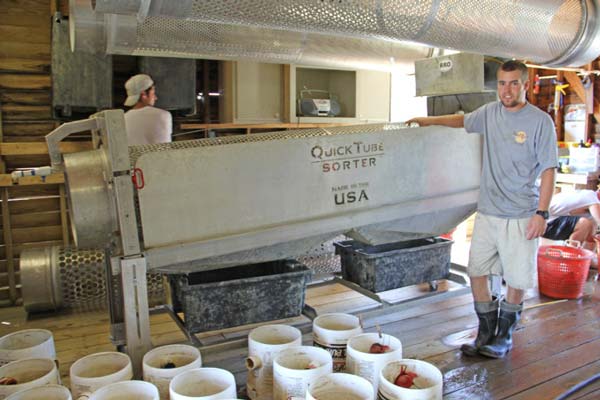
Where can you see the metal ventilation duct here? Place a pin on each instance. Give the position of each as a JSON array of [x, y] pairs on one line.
[[551, 32], [170, 37], [159, 36]]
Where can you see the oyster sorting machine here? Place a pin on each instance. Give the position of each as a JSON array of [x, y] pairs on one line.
[[211, 203]]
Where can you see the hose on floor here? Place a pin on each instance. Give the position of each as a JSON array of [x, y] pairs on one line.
[[577, 387]]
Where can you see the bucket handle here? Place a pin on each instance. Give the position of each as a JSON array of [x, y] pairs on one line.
[[560, 252], [554, 249], [573, 243]]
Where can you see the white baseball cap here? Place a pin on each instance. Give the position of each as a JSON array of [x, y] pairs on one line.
[[135, 86]]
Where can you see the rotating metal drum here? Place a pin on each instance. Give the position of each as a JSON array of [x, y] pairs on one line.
[[54, 278], [92, 215]]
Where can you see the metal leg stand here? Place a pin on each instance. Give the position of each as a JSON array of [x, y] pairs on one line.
[[135, 307], [181, 325], [115, 300]]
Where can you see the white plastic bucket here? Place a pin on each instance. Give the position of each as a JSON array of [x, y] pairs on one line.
[[203, 384], [46, 392], [128, 390], [296, 368], [332, 331], [428, 384], [264, 343], [92, 372], [28, 373], [162, 364], [340, 386], [29, 343], [362, 363]]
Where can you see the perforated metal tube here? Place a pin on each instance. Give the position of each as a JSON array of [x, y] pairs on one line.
[[137, 151], [171, 37], [540, 30], [552, 32], [55, 277]]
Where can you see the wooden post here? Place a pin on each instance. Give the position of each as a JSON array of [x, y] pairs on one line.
[[61, 6], [589, 108], [227, 98], [64, 222], [206, 90], [285, 94], [530, 94], [558, 113], [586, 95], [6, 229]]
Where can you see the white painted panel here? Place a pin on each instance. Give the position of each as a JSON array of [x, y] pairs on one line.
[[258, 92], [209, 193], [373, 88]]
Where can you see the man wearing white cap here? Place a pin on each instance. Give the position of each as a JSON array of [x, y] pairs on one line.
[[145, 123]]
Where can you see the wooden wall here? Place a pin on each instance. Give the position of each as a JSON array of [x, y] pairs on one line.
[[33, 213], [574, 94]]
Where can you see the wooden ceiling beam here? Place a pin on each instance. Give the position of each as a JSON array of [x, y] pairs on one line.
[[586, 95]]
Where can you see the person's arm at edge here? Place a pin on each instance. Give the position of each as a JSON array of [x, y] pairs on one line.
[[168, 127], [537, 225], [595, 211], [451, 120]]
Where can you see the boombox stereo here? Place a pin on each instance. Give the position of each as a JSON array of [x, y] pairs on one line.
[[317, 107]]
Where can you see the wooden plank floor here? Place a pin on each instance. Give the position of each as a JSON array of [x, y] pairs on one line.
[[557, 344]]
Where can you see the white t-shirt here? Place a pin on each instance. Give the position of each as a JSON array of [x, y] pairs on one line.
[[148, 125], [564, 203]]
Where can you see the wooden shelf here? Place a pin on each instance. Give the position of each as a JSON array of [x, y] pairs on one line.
[[589, 180], [52, 179], [250, 127], [40, 148]]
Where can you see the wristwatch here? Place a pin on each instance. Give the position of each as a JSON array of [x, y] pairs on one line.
[[544, 214]]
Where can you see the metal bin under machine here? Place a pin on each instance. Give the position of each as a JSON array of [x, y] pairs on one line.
[[240, 295], [393, 265]]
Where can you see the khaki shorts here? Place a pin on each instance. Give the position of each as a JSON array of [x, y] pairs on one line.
[[500, 247]]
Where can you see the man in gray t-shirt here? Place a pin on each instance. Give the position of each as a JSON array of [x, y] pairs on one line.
[[519, 147]]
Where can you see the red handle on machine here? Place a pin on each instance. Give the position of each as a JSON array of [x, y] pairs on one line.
[[138, 178]]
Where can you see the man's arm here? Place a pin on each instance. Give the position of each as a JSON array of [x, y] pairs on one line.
[[547, 188], [166, 127], [595, 211], [537, 225], [451, 120]]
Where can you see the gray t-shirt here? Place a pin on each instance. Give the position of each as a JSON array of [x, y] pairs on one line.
[[517, 147]]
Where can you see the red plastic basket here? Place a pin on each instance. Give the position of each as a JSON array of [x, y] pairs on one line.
[[562, 271]]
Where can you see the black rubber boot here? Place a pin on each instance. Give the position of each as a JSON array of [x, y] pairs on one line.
[[507, 321], [487, 312]]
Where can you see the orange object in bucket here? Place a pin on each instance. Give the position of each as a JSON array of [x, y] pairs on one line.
[[562, 271]]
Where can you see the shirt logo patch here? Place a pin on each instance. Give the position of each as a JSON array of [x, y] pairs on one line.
[[520, 137]]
